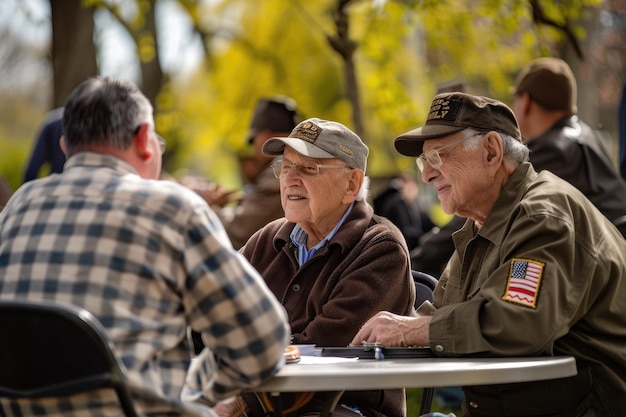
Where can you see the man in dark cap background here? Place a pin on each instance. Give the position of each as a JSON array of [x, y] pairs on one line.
[[259, 203], [545, 107], [537, 270]]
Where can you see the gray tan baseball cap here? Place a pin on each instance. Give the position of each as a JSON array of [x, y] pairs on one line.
[[322, 139], [453, 112]]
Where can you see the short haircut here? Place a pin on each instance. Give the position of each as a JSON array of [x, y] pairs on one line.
[[105, 111]]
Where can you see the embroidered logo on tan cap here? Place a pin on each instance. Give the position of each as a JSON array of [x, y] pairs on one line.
[[306, 131], [346, 150]]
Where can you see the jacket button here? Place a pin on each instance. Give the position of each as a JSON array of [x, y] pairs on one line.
[[439, 348], [295, 287], [473, 404]]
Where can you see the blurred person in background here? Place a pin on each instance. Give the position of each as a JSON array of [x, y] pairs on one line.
[[544, 104], [259, 203], [435, 248], [47, 151], [399, 202]]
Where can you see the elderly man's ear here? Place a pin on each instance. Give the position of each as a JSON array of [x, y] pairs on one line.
[[354, 185], [494, 149]]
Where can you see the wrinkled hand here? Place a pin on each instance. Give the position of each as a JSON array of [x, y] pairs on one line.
[[212, 193], [235, 407], [217, 196], [391, 329]]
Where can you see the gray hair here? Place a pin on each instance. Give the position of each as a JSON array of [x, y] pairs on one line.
[[514, 151], [364, 190], [105, 111]]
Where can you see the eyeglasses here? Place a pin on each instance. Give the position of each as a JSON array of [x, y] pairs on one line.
[[433, 158], [162, 143], [309, 169]]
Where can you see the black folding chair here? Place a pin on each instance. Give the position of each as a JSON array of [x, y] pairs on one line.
[[424, 287], [50, 350]]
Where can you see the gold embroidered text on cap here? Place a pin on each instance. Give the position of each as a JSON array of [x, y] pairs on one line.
[[322, 139]]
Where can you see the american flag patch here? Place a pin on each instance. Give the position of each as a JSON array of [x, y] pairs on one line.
[[524, 279]]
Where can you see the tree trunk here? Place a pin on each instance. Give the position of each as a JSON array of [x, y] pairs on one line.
[[346, 47], [73, 51], [152, 77], [601, 76]]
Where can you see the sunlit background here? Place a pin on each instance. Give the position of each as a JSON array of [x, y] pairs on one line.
[[207, 63]]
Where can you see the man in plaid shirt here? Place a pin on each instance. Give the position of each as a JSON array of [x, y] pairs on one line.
[[147, 257]]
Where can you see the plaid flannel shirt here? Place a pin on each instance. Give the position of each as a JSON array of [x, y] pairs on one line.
[[150, 260]]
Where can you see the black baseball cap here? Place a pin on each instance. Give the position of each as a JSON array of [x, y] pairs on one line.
[[277, 114], [454, 112], [550, 82]]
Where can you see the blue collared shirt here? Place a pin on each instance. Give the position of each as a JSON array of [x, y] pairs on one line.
[[299, 236]]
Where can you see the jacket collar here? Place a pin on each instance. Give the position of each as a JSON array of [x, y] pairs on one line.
[[346, 237]]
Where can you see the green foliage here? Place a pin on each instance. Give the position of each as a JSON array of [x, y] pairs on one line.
[[405, 50], [281, 52], [284, 50], [414, 400], [389, 72], [20, 117], [11, 162]]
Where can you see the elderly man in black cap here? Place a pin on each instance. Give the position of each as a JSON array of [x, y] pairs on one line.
[[545, 107], [537, 269]]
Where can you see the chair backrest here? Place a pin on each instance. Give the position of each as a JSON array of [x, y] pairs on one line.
[[424, 286], [50, 349]]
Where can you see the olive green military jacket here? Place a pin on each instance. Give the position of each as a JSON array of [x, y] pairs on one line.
[[545, 275]]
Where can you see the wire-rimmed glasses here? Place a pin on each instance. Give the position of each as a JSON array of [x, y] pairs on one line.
[[307, 169], [162, 143], [432, 156]]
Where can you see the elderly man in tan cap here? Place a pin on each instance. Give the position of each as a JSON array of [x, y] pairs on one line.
[[331, 261], [537, 270], [545, 106]]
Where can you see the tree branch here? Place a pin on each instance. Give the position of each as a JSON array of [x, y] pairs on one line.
[[540, 17]]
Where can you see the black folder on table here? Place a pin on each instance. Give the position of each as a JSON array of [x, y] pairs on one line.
[[370, 352]]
